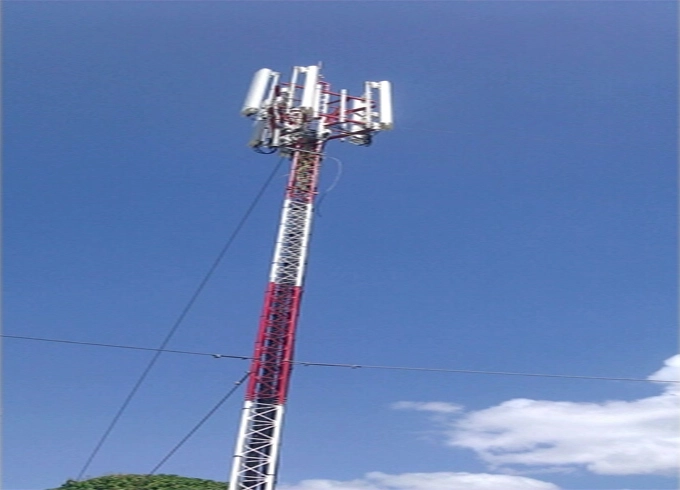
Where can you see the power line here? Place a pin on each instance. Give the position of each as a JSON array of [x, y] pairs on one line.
[[118, 346], [200, 423], [179, 320], [355, 366], [472, 371]]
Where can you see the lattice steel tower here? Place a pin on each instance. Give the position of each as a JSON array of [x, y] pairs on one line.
[[297, 118]]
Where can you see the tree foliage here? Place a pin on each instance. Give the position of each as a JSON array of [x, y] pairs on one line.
[[143, 482]]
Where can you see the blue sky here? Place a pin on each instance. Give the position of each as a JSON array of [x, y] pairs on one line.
[[521, 217]]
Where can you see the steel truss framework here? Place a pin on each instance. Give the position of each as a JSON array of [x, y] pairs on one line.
[[295, 118], [256, 455]]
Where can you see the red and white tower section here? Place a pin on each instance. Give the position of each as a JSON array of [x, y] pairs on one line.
[[297, 119]]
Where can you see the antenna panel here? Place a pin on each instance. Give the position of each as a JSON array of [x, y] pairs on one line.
[[258, 137], [385, 97], [358, 114], [256, 92], [310, 100]]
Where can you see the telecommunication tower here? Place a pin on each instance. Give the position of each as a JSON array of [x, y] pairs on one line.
[[296, 118]]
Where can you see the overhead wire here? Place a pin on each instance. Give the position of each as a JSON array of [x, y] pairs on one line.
[[118, 346], [473, 371], [178, 321], [205, 418], [330, 187], [357, 366]]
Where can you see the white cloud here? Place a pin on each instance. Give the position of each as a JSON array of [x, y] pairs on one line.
[[427, 481], [437, 407], [670, 372], [608, 438]]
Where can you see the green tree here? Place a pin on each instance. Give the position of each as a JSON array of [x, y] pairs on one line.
[[143, 482]]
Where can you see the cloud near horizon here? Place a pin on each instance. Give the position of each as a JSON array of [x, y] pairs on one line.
[[427, 481], [639, 437], [614, 437]]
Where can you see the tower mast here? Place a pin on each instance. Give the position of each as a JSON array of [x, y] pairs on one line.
[[297, 120]]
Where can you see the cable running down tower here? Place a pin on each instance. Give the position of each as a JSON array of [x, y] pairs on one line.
[[297, 119]]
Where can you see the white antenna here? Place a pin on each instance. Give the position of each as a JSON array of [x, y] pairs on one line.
[[385, 98], [258, 87], [309, 104], [288, 112]]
